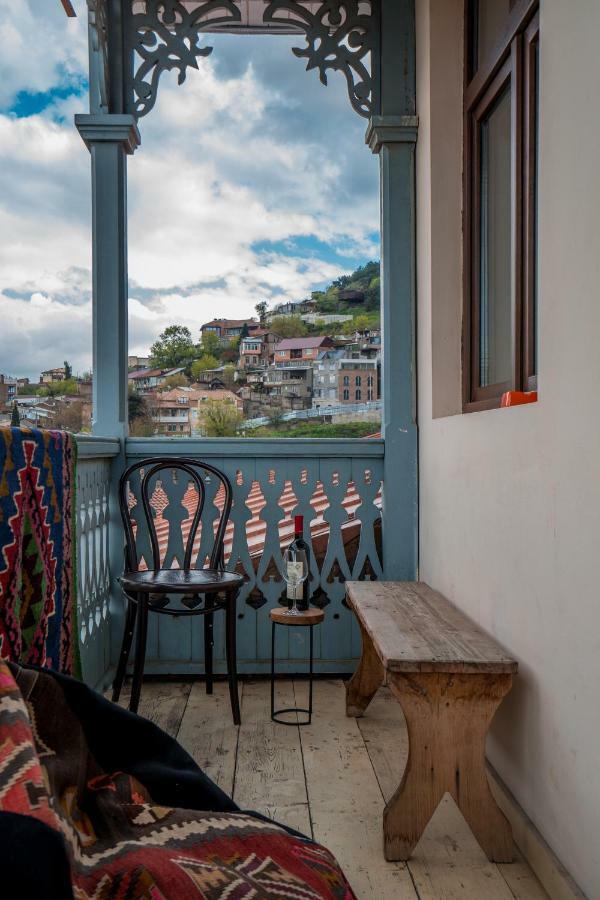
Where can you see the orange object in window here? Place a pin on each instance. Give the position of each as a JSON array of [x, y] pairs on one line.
[[517, 398]]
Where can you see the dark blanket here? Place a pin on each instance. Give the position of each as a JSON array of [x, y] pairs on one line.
[[97, 802]]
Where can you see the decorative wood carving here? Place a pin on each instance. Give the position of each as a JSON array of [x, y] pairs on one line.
[[340, 36], [166, 36]]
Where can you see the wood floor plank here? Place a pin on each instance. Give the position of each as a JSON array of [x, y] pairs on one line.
[[269, 775], [521, 880], [346, 804], [208, 734], [163, 702], [448, 862]]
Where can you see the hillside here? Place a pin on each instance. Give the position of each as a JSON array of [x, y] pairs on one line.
[[365, 279]]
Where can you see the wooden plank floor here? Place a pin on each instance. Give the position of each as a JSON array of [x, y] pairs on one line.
[[330, 780]]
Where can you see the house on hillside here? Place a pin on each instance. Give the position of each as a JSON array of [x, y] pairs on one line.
[[51, 375], [229, 329], [257, 350], [144, 380], [305, 349]]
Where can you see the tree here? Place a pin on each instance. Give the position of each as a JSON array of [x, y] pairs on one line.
[[69, 416], [142, 426], [220, 418], [199, 366], [210, 343], [261, 311], [68, 370], [174, 381], [15, 418], [289, 326], [173, 348], [137, 405]]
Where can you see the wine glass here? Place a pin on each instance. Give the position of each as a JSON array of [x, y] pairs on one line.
[[295, 572]]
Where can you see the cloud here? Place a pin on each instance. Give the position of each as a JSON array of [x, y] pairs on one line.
[[252, 182]]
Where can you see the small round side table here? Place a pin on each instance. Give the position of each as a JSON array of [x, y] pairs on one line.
[[310, 617]]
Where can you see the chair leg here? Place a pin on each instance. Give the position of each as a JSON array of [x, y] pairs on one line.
[[230, 644], [208, 645], [128, 630], [140, 652]]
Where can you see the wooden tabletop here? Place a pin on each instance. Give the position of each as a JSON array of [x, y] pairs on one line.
[[310, 616], [416, 629]]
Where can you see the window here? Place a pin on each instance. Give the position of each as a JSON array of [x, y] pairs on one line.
[[358, 380], [501, 127], [346, 380], [370, 381], [346, 394], [357, 394]]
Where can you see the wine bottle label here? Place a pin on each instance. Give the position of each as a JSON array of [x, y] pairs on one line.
[[294, 572]]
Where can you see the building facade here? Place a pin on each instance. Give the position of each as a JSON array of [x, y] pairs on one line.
[[229, 329], [358, 380]]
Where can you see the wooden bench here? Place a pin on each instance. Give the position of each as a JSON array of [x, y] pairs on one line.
[[449, 677]]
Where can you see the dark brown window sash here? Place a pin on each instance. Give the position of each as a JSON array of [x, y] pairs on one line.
[[512, 61], [530, 273]]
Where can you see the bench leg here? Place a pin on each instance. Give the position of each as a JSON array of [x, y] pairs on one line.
[[447, 718], [367, 679]]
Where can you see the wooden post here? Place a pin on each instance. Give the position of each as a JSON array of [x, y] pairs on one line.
[[392, 133], [109, 139]]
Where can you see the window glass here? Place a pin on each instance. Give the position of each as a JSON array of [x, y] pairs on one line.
[[496, 282]]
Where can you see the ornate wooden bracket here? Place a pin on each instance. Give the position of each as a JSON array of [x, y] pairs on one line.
[[156, 36], [340, 35], [166, 36]]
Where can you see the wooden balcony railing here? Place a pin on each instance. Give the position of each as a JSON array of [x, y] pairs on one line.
[[335, 484]]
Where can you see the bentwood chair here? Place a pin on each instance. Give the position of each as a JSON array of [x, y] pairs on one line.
[[201, 590]]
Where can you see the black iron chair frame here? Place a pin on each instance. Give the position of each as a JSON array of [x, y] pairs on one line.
[[220, 593]]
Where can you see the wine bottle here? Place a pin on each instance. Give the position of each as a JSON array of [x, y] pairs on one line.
[[302, 590]]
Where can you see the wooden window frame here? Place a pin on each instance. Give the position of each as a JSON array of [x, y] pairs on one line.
[[512, 61]]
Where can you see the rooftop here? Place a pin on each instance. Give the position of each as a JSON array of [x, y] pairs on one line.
[[304, 343]]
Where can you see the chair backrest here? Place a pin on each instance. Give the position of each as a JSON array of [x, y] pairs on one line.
[[141, 480]]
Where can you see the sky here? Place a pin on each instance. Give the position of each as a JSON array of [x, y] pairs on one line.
[[252, 182]]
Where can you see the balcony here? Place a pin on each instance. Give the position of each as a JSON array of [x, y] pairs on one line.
[[335, 484]]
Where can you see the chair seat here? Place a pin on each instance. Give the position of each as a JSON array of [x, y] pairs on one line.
[[181, 581]]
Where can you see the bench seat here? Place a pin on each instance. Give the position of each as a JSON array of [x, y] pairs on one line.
[[449, 677]]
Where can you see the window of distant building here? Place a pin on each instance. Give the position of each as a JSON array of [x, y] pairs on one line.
[[358, 380], [357, 394], [501, 153], [346, 394], [346, 380]]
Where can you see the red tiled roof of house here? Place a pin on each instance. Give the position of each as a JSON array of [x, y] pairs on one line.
[[229, 323]]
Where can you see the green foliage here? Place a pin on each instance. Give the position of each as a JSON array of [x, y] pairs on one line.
[[261, 311], [289, 326], [174, 381], [220, 419], [317, 429], [199, 366], [366, 279], [137, 407], [68, 370], [173, 348], [210, 343], [142, 426], [15, 418], [67, 388]]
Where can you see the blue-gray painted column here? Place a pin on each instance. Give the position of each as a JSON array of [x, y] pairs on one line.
[[109, 138], [392, 133]]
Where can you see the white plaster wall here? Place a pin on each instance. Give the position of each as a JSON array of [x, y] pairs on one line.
[[510, 499]]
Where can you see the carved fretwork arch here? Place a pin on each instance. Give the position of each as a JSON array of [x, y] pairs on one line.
[[161, 35]]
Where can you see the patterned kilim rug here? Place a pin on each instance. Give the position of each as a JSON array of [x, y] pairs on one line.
[[111, 808], [38, 589]]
